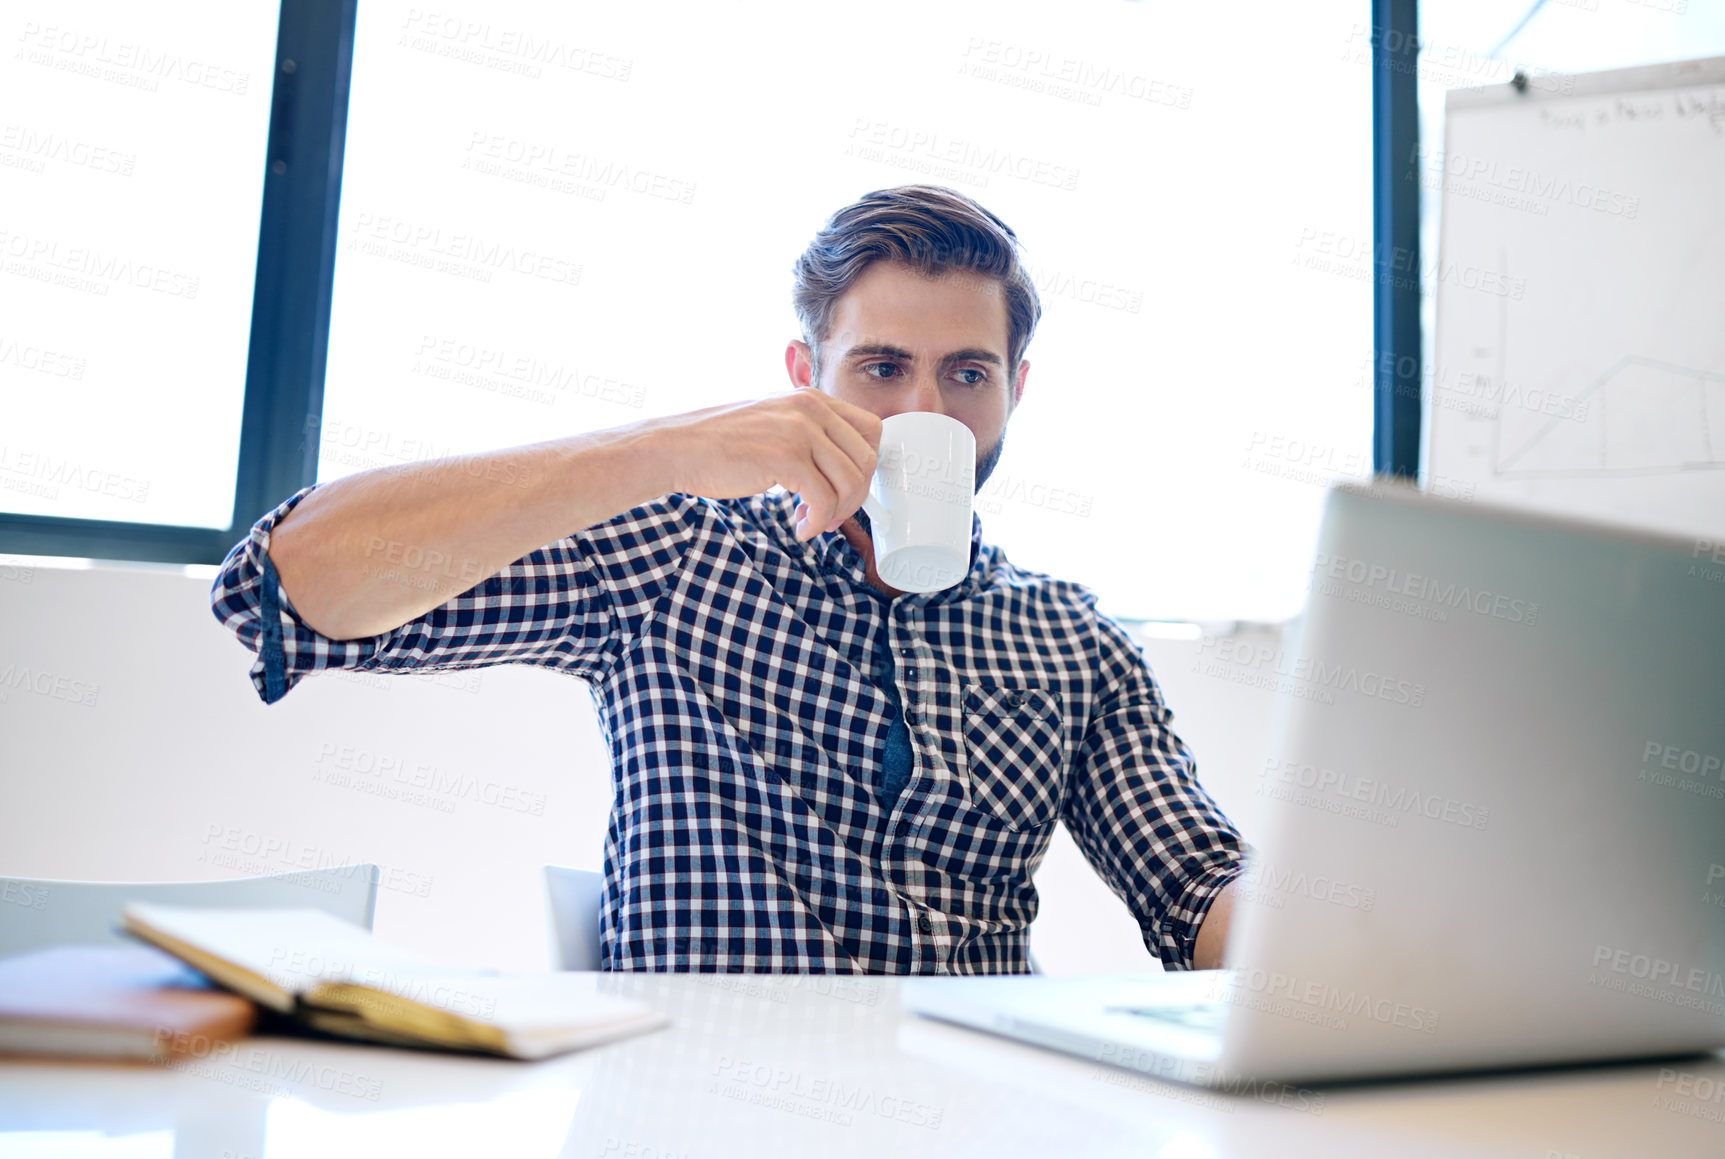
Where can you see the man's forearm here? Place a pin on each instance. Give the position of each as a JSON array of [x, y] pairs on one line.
[[366, 553]]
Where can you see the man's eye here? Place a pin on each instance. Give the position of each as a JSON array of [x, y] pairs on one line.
[[981, 376], [870, 368]]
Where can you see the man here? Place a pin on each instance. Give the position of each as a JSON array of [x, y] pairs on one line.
[[813, 770]]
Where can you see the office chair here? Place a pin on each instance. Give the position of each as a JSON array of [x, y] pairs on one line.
[[39, 912], [574, 899]]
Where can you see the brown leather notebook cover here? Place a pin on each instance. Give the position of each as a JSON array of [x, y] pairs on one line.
[[133, 1002]]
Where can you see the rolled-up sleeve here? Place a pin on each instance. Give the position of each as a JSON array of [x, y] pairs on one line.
[[1136, 809], [567, 605]]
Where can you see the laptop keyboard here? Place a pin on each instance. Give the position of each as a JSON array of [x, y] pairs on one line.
[[1192, 1015]]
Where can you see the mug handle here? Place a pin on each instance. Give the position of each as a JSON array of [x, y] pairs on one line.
[[877, 514]]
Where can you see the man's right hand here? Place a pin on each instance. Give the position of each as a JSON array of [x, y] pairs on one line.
[[804, 440], [484, 511]]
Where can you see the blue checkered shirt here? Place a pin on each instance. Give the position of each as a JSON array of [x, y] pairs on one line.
[[731, 667]]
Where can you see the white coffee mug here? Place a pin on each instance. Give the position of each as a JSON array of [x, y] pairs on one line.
[[919, 501]]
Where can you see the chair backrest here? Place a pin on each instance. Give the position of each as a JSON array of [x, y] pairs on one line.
[[38, 912], [574, 896]]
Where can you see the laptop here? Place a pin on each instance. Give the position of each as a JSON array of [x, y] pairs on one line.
[[1492, 819]]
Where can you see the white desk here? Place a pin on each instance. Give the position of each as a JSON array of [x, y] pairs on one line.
[[767, 1066]]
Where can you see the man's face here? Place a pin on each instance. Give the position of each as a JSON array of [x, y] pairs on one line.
[[902, 342]]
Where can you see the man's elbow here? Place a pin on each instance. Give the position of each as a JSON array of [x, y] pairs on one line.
[[1212, 938]]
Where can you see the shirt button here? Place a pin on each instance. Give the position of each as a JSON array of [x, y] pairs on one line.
[[925, 925]]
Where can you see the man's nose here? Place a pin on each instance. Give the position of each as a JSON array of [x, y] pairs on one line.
[[925, 394]]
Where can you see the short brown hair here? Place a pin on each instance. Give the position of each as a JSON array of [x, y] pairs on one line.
[[933, 230]]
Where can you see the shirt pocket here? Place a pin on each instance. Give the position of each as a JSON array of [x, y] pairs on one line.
[[1015, 753]]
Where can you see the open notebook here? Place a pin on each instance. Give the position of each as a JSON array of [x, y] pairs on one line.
[[336, 977]]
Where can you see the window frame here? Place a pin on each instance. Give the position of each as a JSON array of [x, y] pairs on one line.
[[1397, 373], [290, 307]]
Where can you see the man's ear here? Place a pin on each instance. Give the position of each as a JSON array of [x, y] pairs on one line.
[[798, 362], [1018, 383]]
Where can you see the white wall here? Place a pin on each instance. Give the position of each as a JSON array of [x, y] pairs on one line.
[[150, 757]]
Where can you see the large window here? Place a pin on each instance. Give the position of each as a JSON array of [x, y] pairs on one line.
[[131, 173], [564, 217], [558, 218]]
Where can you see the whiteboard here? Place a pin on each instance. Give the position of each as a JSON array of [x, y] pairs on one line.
[[1580, 336]]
